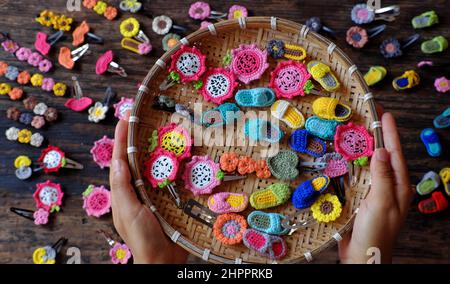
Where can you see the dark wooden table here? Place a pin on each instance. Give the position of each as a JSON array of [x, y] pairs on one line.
[[424, 238]]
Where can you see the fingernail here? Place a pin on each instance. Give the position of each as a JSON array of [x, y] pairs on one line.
[[382, 155]]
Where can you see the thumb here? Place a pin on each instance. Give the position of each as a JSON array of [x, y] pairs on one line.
[[382, 175]]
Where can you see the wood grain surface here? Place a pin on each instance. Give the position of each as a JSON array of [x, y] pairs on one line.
[[424, 239]]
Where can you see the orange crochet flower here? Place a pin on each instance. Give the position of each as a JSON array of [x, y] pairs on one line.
[[3, 68], [110, 13], [229, 161], [262, 170], [246, 165], [23, 78], [90, 4], [15, 94]]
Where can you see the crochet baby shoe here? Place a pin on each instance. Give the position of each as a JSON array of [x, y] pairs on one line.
[[323, 74], [322, 128], [424, 20], [262, 130], [437, 44], [274, 195], [283, 165], [229, 228], [286, 112], [248, 62], [308, 191], [218, 85], [429, 182], [327, 208], [227, 202], [375, 75], [445, 177], [302, 142], [269, 223], [273, 247], [331, 108], [258, 97], [290, 79], [408, 80], [431, 141], [353, 141], [224, 114], [436, 203], [175, 139], [336, 165], [201, 175], [442, 120]]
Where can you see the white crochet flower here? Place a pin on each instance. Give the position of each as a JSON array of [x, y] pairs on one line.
[[162, 25], [36, 140], [97, 112], [12, 133], [40, 109]]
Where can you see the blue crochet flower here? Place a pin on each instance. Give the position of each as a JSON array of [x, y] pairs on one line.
[[362, 15], [275, 48], [25, 118], [12, 73], [314, 24], [391, 48]]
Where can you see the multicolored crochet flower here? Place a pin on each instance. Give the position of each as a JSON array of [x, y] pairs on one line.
[[361, 14], [236, 12], [45, 18], [199, 10], [442, 84], [48, 196], [11, 73], [10, 46], [44, 255], [327, 208], [96, 200], [391, 48], [102, 151], [124, 105], [120, 253], [357, 37], [275, 48], [170, 40], [97, 112], [41, 216]]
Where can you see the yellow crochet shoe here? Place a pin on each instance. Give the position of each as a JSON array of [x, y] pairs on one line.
[[331, 108], [287, 113], [274, 195], [323, 74], [445, 177], [408, 80], [375, 75]]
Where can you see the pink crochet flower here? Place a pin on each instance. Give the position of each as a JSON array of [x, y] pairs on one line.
[[102, 151], [120, 253], [48, 196], [45, 65], [205, 24], [47, 84], [353, 141], [38, 122], [248, 63], [189, 63], [201, 175], [288, 79], [218, 85], [96, 201], [199, 10], [144, 48], [236, 12], [161, 168], [123, 106], [41, 217], [357, 37], [34, 59], [442, 84], [10, 46], [23, 53]]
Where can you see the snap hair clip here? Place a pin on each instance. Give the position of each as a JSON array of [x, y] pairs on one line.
[[24, 136], [358, 37], [203, 214], [119, 253], [67, 58], [362, 14], [101, 8], [132, 6], [98, 112], [47, 254], [278, 49], [296, 221], [57, 22], [163, 24], [105, 63], [96, 200], [201, 10], [52, 159], [48, 196], [44, 42], [130, 28], [315, 24], [82, 34], [391, 47], [39, 217], [79, 102]]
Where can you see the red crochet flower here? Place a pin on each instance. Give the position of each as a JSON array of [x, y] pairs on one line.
[[189, 63], [48, 196], [52, 159], [288, 79], [353, 141]]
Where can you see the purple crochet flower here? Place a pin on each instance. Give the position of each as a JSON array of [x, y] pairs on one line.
[[145, 48], [45, 65], [26, 118], [10, 46], [23, 53], [391, 48], [47, 84], [12, 72], [275, 48], [314, 23], [34, 59]]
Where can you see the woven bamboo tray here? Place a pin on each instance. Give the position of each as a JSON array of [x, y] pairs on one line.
[[214, 42]]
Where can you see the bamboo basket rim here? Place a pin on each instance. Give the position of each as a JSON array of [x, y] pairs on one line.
[[273, 23]]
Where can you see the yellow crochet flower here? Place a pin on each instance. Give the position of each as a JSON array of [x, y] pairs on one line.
[[59, 89], [39, 256], [129, 27], [62, 23], [100, 7], [22, 161], [46, 18], [24, 136], [36, 80], [327, 208], [5, 88]]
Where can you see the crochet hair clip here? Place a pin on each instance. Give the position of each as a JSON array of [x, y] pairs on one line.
[[119, 253], [358, 37], [278, 49], [201, 11], [39, 217], [105, 64], [391, 47], [47, 254], [44, 42], [134, 39], [67, 57], [132, 6], [79, 102], [296, 221], [363, 14], [82, 33], [316, 25], [163, 24], [98, 112], [52, 159]]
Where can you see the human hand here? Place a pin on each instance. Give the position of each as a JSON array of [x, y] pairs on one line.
[[134, 222], [382, 214]]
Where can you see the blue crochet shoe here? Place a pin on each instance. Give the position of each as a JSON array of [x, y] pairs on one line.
[[224, 114], [442, 120], [262, 130], [302, 142], [269, 223], [308, 191], [431, 141], [322, 128], [258, 97]]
